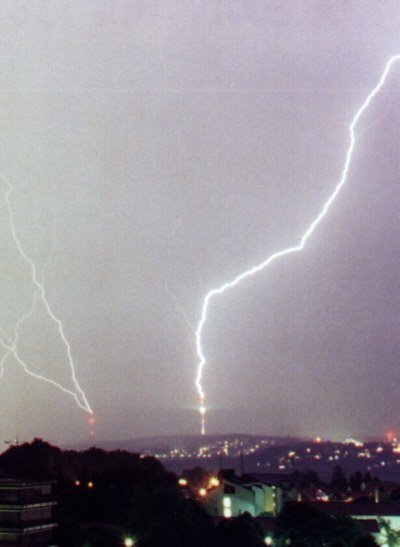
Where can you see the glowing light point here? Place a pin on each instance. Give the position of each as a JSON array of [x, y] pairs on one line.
[[284, 252], [214, 482]]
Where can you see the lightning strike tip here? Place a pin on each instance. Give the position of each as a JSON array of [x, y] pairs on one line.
[[289, 250]]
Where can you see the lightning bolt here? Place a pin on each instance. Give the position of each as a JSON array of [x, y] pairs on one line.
[[284, 252], [11, 346], [180, 310]]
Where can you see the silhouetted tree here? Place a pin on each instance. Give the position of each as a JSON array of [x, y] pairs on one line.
[[308, 478], [346, 529], [191, 528], [367, 477], [356, 481], [161, 536], [241, 531], [337, 543], [97, 536], [338, 480], [101, 494], [366, 541], [197, 477], [300, 522], [35, 460]]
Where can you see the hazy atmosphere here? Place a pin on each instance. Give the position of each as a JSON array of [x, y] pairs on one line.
[[155, 150]]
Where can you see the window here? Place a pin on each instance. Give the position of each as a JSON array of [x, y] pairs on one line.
[[227, 504]]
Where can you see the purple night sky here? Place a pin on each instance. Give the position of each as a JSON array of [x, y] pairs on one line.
[[157, 149]]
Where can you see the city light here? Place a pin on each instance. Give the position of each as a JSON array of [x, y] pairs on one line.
[[214, 482]]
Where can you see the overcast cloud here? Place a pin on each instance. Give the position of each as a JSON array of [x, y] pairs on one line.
[[156, 149]]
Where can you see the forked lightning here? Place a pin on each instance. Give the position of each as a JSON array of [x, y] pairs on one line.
[[11, 346], [284, 252]]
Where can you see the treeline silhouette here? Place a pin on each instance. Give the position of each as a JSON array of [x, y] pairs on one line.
[[106, 497]]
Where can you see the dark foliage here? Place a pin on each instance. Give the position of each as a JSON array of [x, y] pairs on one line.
[[104, 495], [197, 477], [339, 480], [242, 531], [37, 460], [308, 478], [302, 523], [366, 541], [193, 528], [356, 481]]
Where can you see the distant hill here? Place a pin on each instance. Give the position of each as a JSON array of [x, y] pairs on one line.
[[263, 453], [166, 442]]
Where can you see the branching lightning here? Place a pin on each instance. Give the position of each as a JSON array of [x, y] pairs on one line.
[[180, 310], [284, 252], [11, 346]]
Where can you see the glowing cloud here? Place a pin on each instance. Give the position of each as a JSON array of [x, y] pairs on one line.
[[284, 252]]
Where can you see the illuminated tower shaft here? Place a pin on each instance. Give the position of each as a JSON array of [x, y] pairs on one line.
[[279, 254]]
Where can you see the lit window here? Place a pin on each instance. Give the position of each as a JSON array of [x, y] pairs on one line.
[[227, 512], [227, 502]]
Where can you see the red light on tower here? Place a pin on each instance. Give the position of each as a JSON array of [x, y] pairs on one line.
[[91, 422], [389, 436]]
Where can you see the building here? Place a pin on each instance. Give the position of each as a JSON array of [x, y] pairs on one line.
[[26, 513], [257, 494]]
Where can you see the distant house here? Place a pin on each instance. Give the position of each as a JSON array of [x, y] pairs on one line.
[[316, 493], [26, 513], [257, 494]]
